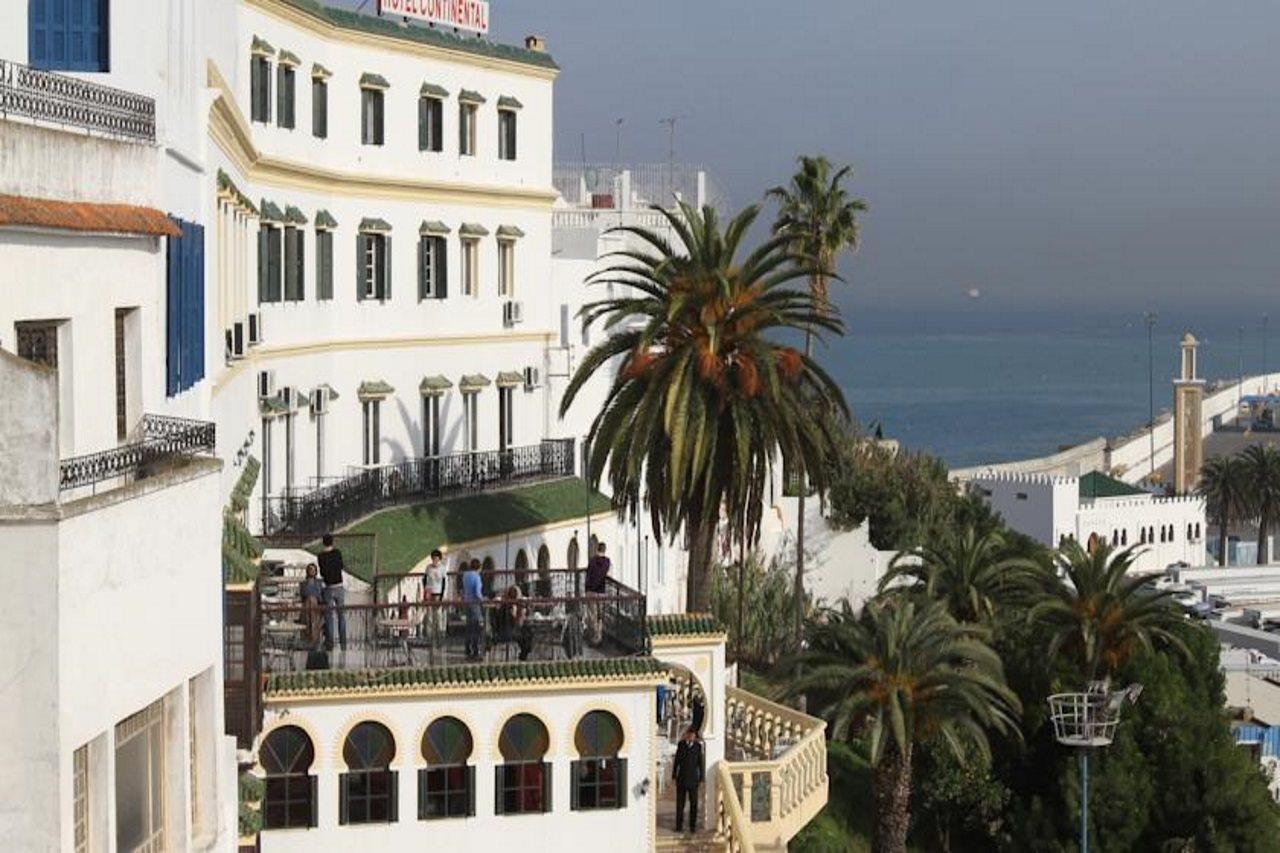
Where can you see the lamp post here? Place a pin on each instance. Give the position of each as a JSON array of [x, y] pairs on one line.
[[1086, 721], [1150, 319]]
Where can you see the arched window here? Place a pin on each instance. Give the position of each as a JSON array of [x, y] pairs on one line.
[[571, 559], [487, 577], [522, 571], [599, 775], [1197, 530], [523, 783], [1124, 536], [367, 791], [544, 571], [290, 797], [1115, 536], [447, 785]]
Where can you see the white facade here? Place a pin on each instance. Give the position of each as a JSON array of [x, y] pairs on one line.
[[1050, 509]]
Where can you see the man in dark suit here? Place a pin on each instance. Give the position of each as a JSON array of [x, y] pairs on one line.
[[688, 771]]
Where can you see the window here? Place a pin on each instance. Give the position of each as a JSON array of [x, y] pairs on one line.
[[469, 421], [184, 276], [38, 342], [285, 96], [506, 427], [523, 780], [431, 425], [372, 431], [140, 780], [371, 116], [290, 798], [373, 272], [68, 35], [269, 263], [122, 415], [506, 134], [367, 791], [447, 785], [599, 776], [324, 264], [430, 124], [431, 267], [506, 268], [319, 107], [467, 129], [260, 89], [295, 279], [470, 267], [80, 798], [288, 454]]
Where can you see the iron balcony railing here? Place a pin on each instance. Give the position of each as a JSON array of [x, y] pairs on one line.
[[339, 503], [163, 440], [48, 96]]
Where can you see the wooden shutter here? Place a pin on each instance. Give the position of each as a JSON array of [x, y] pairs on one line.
[[442, 268], [437, 126], [422, 793], [315, 802], [362, 241], [393, 808], [173, 298], [575, 774], [290, 266], [262, 264], [386, 266], [255, 89], [342, 797], [622, 782], [423, 124], [546, 787], [471, 791], [282, 108], [497, 790], [422, 268], [300, 253]]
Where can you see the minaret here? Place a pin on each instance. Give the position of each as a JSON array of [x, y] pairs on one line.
[[1188, 443]]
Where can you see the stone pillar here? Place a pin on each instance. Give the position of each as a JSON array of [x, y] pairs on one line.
[[1188, 440]]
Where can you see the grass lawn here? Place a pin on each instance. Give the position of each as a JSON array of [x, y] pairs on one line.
[[406, 535]]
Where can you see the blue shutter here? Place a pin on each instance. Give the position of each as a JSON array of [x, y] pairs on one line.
[[37, 33], [173, 263], [69, 35], [195, 369]]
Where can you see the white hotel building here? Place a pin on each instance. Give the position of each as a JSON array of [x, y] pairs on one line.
[[267, 265]]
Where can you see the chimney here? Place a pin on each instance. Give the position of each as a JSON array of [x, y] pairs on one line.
[[535, 43]]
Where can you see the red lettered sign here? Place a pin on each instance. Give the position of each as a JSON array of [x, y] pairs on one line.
[[464, 14]]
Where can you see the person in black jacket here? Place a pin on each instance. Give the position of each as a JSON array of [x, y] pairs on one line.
[[688, 771]]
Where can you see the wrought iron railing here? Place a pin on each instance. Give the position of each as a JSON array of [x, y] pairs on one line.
[[162, 440], [48, 96], [366, 490]]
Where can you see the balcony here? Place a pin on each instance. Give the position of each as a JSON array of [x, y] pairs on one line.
[[164, 443], [341, 502], [46, 96]]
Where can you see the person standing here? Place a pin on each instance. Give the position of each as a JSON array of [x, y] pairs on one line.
[[433, 591], [335, 594], [311, 591], [687, 770], [596, 584], [472, 595]]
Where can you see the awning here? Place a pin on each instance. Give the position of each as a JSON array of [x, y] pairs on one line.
[[467, 96], [324, 219], [375, 225], [292, 214], [434, 386], [509, 378], [431, 90], [229, 187], [18, 210], [318, 70], [369, 80], [473, 382], [273, 406], [289, 58], [261, 47], [374, 389], [509, 232], [270, 212], [473, 229], [433, 227], [506, 102]]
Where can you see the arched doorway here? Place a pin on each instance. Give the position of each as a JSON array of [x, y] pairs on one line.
[[571, 559], [522, 571], [544, 571], [1093, 542]]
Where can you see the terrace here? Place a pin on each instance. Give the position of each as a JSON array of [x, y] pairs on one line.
[[48, 97], [162, 444]]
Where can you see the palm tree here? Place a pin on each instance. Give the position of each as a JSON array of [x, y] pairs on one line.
[[1262, 461], [1099, 613], [820, 220], [970, 574], [900, 671], [1224, 485], [704, 398]]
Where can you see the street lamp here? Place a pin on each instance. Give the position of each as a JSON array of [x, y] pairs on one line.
[[1150, 319], [1088, 721]]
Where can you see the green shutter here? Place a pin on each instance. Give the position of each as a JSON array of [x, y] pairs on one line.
[[622, 782], [546, 787], [422, 124], [471, 778], [360, 250], [575, 774], [442, 268], [342, 798], [393, 808], [301, 253], [255, 89], [386, 266], [262, 265], [422, 276], [314, 820], [497, 790], [422, 793]]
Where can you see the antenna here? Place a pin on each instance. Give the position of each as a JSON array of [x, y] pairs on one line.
[[670, 124], [617, 145]]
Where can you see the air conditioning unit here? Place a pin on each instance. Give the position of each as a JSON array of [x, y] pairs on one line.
[[319, 401], [266, 384], [532, 378], [237, 339], [512, 312], [255, 329], [288, 396]]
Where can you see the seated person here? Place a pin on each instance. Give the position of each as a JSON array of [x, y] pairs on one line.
[[311, 591], [512, 626]]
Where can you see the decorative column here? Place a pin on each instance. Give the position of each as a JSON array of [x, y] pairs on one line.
[[1188, 441]]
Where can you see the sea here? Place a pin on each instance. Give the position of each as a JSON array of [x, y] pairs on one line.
[[973, 387]]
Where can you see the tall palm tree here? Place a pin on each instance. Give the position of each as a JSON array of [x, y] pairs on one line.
[[820, 219], [970, 574], [704, 398], [900, 671], [1099, 613], [1262, 462], [1224, 485]]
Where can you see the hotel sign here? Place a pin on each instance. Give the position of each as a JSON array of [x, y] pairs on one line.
[[464, 14]]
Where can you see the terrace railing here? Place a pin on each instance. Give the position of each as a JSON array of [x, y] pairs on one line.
[[335, 504], [163, 440], [732, 829], [47, 96]]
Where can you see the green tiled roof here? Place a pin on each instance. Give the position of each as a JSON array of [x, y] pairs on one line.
[[372, 223], [433, 226], [434, 385], [431, 90], [369, 80], [375, 388], [509, 231], [292, 214], [225, 183], [289, 58], [508, 378], [470, 96], [473, 382], [1095, 484], [318, 70], [684, 624], [473, 229], [321, 682], [270, 212], [506, 102], [261, 45], [390, 28], [324, 219]]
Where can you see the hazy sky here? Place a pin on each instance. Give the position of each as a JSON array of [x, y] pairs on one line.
[[1088, 155]]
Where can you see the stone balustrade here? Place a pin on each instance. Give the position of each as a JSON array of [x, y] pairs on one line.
[[731, 824]]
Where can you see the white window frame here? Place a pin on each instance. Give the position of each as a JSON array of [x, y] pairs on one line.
[[371, 416], [468, 118], [507, 148], [507, 268], [470, 421], [506, 420], [80, 799], [149, 723], [470, 267], [430, 425]]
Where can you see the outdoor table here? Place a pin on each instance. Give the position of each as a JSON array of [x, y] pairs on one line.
[[401, 630]]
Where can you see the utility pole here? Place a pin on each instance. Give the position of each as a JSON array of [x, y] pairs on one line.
[[1150, 319]]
